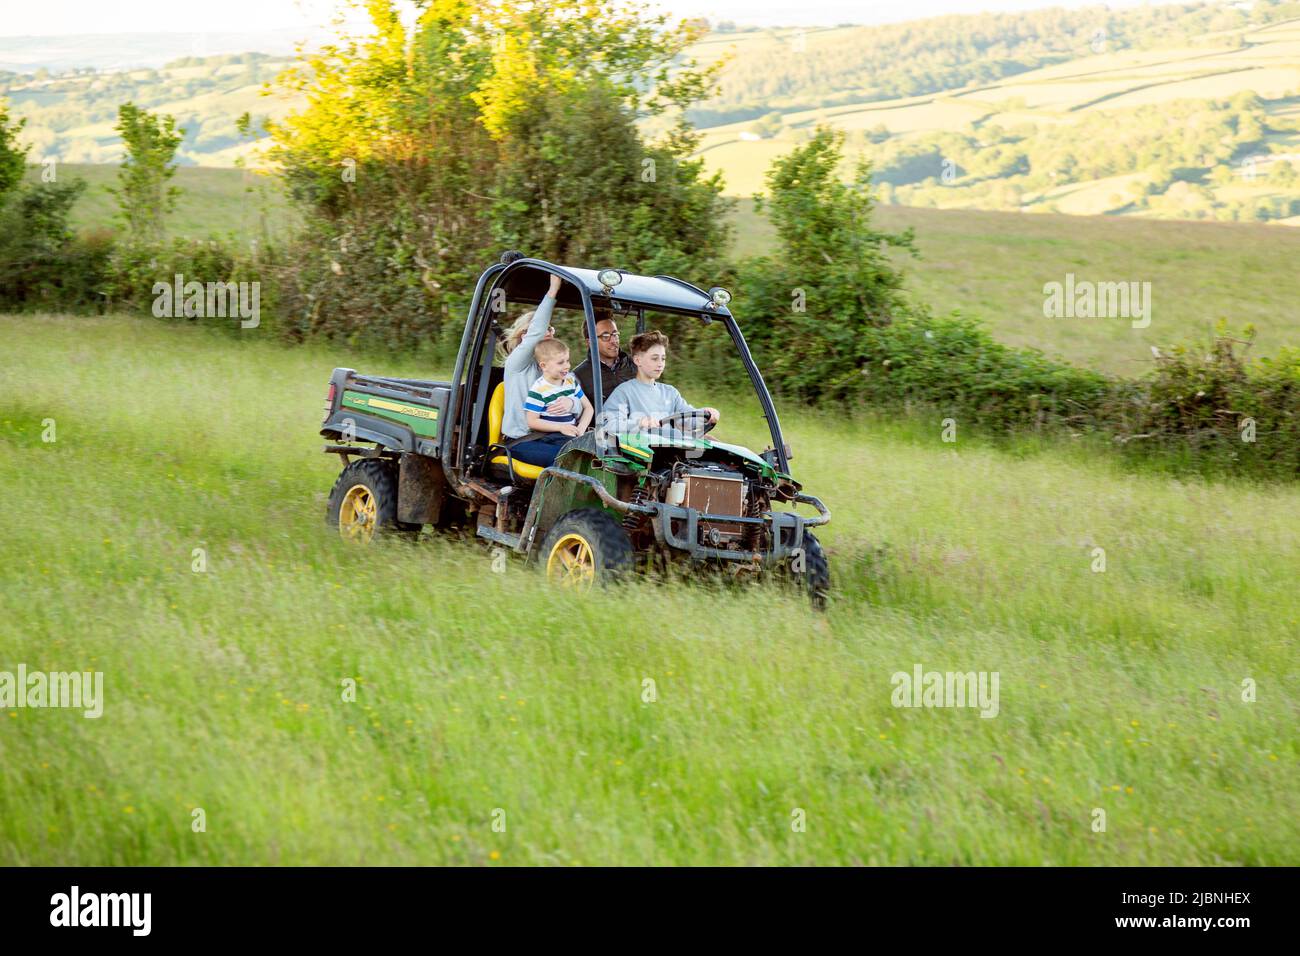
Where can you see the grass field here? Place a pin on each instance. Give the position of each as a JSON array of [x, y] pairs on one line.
[[211, 202], [993, 265], [487, 697]]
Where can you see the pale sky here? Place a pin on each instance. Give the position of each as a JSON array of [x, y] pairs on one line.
[[63, 17]]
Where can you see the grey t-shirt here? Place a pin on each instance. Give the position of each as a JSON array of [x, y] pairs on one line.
[[632, 400], [522, 371]]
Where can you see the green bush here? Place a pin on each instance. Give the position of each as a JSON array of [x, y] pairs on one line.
[[1209, 405], [828, 323], [43, 265], [135, 269]]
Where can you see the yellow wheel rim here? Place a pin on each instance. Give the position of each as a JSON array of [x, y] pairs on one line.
[[357, 514], [572, 563]]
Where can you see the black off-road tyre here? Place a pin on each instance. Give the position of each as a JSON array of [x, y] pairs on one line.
[[816, 574], [363, 502], [586, 547]]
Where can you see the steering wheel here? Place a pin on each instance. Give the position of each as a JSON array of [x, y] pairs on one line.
[[695, 423]]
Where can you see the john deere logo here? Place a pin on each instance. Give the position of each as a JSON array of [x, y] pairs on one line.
[[383, 404]]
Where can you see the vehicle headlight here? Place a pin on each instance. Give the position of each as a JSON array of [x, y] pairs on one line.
[[609, 277]]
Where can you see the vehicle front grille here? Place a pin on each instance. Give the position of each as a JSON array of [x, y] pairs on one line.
[[718, 493]]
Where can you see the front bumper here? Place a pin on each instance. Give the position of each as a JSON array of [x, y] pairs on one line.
[[785, 532], [786, 527]]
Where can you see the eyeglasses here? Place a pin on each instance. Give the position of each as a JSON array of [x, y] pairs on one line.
[[607, 336]]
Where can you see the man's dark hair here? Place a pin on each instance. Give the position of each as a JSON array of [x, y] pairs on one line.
[[601, 313]]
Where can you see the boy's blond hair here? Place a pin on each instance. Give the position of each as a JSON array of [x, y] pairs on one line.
[[548, 349]]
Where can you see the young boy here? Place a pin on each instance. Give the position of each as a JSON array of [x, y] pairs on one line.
[[556, 381], [645, 401]]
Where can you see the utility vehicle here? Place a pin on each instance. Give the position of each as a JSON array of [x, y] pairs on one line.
[[616, 499]]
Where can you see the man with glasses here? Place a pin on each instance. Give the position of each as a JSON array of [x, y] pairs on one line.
[[616, 365]]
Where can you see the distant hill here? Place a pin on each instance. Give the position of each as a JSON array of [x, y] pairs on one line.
[[114, 52], [70, 116], [1177, 111], [1114, 122]]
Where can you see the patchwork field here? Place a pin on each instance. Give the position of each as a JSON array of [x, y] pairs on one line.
[[1263, 61]]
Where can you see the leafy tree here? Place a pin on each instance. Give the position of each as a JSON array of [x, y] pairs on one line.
[[832, 278], [768, 126], [1283, 174], [421, 153], [142, 192], [13, 158], [42, 263]]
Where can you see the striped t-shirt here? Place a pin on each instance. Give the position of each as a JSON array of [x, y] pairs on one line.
[[541, 393]]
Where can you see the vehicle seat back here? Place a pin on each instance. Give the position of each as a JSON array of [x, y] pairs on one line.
[[496, 413]]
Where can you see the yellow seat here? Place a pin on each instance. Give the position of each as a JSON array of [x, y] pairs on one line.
[[496, 411]]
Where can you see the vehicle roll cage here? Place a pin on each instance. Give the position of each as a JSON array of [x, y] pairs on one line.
[[464, 413]]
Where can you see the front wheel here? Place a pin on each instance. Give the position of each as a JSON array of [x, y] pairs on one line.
[[813, 570], [586, 547], [363, 502]]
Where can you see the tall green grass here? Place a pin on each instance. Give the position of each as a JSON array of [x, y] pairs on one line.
[[480, 692]]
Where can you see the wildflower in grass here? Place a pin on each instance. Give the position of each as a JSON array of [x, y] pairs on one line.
[[494, 855]]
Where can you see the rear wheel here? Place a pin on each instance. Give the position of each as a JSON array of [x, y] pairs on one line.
[[363, 502], [584, 548]]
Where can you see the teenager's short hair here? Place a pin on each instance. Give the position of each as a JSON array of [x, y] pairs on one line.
[[548, 349], [646, 341]]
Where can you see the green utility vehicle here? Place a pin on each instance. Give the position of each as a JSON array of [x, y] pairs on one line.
[[616, 499]]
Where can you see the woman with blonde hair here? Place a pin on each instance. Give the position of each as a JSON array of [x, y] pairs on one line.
[[521, 371]]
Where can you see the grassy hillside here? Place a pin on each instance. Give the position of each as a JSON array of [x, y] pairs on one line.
[[71, 116], [987, 264], [994, 265], [481, 692], [212, 201]]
